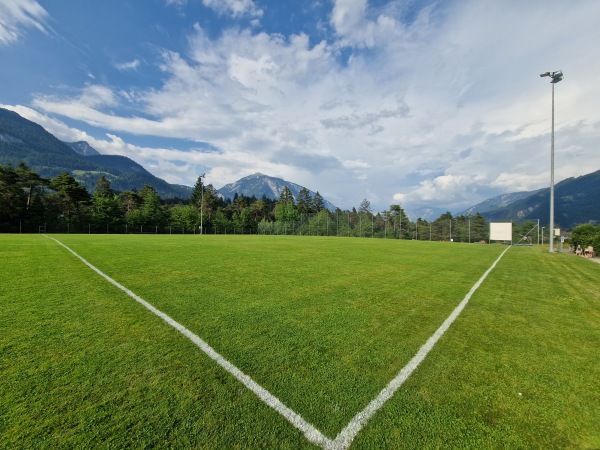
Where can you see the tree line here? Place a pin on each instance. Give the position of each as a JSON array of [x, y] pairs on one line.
[[586, 235], [30, 203]]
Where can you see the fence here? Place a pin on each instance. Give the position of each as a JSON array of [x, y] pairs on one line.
[[309, 226]]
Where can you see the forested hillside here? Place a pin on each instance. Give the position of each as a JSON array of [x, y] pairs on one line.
[[24, 141], [576, 202]]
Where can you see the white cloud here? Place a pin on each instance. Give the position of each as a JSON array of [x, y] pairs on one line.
[[445, 110], [129, 65], [348, 17], [15, 15], [54, 126], [358, 24], [234, 8], [444, 189]]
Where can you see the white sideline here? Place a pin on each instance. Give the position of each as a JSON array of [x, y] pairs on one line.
[[310, 432], [347, 435]]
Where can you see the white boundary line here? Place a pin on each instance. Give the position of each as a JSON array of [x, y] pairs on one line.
[[347, 435], [311, 433]]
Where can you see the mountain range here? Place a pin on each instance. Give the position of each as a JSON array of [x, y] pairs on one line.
[[577, 200], [498, 202], [259, 184], [23, 140]]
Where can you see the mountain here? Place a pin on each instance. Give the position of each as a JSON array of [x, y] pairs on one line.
[[498, 202], [424, 212], [259, 184], [23, 140], [132, 174], [83, 148], [576, 201]]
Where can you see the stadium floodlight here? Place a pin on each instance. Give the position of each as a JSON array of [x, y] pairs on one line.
[[201, 199], [556, 76]]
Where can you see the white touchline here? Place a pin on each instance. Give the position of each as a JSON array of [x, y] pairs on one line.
[[310, 432], [347, 435]]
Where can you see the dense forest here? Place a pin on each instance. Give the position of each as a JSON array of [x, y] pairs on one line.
[[30, 203]]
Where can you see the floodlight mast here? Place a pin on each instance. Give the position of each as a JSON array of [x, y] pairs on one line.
[[201, 200], [556, 76]]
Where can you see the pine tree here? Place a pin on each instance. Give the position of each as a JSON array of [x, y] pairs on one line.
[[30, 181], [285, 209], [196, 196], [103, 188], [286, 195], [479, 228], [305, 202], [365, 206], [318, 203], [71, 197], [151, 206]]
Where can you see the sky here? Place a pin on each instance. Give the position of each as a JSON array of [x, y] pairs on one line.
[[424, 103]]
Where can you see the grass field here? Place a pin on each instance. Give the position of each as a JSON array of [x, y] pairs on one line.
[[322, 323]]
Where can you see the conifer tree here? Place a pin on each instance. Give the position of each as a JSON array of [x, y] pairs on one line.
[[103, 188], [305, 202], [318, 203], [196, 196]]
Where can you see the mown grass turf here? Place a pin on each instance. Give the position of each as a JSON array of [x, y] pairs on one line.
[[84, 366], [323, 324], [518, 369]]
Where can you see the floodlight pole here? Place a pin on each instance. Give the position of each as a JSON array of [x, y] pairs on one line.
[[552, 178], [201, 200], [556, 77]]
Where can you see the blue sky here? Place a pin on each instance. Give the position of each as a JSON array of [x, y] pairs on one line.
[[430, 104]]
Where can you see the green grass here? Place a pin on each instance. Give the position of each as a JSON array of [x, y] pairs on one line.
[[322, 323], [518, 369]]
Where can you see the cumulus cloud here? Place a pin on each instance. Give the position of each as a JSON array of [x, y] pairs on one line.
[[348, 16], [446, 108], [447, 190], [235, 8], [359, 24], [55, 126], [17, 15]]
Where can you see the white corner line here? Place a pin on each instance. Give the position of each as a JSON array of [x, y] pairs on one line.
[[309, 431], [344, 439], [347, 435]]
